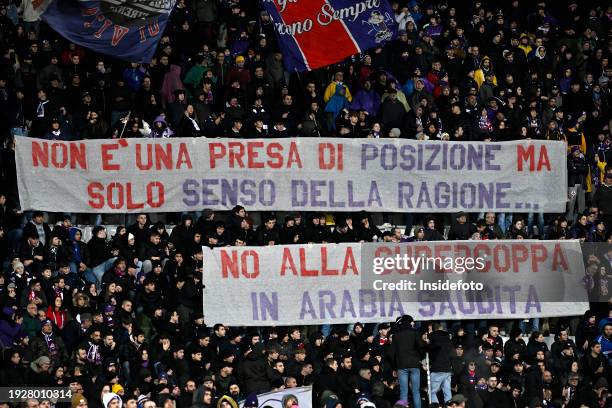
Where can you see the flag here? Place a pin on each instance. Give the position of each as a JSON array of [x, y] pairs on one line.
[[317, 33], [125, 29]]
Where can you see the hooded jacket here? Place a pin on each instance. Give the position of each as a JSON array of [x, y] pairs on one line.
[[228, 399], [252, 372], [162, 132], [406, 347], [97, 248], [479, 74]]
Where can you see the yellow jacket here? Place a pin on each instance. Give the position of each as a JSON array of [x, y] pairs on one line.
[[479, 75], [331, 91]]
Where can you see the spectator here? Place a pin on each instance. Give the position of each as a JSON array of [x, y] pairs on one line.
[[407, 349]]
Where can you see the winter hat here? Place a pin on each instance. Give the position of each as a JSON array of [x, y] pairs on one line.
[[141, 400], [228, 399], [239, 59], [332, 401], [17, 264], [35, 365], [601, 383], [78, 399], [395, 132], [117, 388], [404, 319], [251, 401], [131, 236], [107, 398]]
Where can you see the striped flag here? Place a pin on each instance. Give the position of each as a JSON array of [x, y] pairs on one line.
[[317, 33]]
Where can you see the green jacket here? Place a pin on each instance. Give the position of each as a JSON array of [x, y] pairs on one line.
[[31, 326]]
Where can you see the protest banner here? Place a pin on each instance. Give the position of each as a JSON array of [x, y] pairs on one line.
[[301, 174], [128, 30], [274, 399], [337, 283], [302, 27]]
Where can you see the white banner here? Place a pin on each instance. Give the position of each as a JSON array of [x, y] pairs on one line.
[[274, 399], [339, 283], [309, 174]]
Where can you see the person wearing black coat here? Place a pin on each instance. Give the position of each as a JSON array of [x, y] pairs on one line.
[[267, 234], [289, 233], [12, 371], [36, 225], [515, 344], [536, 343], [32, 253], [188, 124], [406, 348], [316, 231], [182, 235], [253, 371], [328, 380], [460, 229], [431, 233], [366, 230], [97, 247], [493, 397], [38, 375], [440, 349]]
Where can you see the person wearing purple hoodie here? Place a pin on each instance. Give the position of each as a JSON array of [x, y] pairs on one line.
[[161, 129], [10, 329], [366, 99]]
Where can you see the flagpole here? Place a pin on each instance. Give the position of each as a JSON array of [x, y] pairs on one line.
[[127, 119], [428, 378]]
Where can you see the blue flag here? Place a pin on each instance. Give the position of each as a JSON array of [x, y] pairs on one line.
[[129, 30]]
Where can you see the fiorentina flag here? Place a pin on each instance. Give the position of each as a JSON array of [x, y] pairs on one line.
[[316, 33], [125, 29]]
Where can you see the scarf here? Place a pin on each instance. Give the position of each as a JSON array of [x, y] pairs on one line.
[[472, 377], [93, 354], [119, 273], [195, 124], [40, 109], [51, 346]]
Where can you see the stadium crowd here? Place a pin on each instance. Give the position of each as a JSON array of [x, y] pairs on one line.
[[119, 318]]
